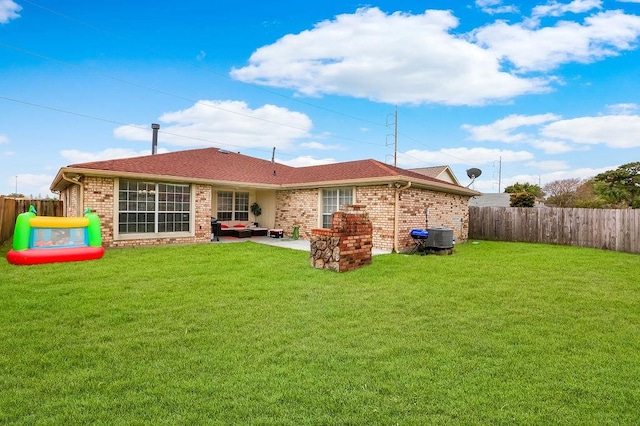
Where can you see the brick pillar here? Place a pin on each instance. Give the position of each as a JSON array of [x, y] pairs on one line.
[[347, 245]]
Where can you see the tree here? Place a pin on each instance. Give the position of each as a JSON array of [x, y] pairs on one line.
[[562, 193], [517, 187], [15, 195], [620, 186], [522, 199]]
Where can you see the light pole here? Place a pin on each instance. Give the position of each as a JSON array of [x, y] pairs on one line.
[[16, 184]]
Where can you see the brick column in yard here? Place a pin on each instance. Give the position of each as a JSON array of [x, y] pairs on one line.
[[347, 245]]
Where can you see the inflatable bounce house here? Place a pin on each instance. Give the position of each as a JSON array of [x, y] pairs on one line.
[[47, 239]]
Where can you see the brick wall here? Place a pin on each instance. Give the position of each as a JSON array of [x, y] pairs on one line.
[[300, 208], [297, 207], [380, 205], [445, 210], [99, 196]]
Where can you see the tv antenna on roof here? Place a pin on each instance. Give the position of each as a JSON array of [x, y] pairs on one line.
[[473, 173]]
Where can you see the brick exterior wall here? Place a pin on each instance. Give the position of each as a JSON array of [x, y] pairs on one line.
[[300, 208], [297, 208], [445, 210], [99, 196], [379, 202]]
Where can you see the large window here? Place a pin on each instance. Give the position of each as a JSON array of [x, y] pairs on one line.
[[151, 207], [332, 201], [233, 206]]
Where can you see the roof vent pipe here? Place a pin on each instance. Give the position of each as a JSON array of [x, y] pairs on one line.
[[154, 139]]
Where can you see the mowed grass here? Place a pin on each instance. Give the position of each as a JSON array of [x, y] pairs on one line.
[[498, 333]]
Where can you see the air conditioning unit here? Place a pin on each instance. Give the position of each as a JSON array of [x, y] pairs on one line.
[[440, 238]]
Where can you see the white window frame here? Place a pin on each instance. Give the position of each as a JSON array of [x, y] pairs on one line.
[[325, 214], [154, 187]]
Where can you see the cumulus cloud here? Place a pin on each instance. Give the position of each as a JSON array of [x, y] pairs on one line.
[[614, 131], [9, 10], [503, 130], [225, 124], [529, 49], [394, 58], [31, 184], [624, 108], [493, 7], [307, 160], [554, 8], [462, 155], [4, 138], [553, 147], [549, 165], [319, 146]]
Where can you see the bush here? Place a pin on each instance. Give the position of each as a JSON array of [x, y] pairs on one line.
[[522, 199]]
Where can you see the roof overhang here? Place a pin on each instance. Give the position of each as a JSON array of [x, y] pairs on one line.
[[62, 181]]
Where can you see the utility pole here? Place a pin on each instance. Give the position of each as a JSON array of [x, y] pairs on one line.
[[499, 173], [395, 136], [16, 184]]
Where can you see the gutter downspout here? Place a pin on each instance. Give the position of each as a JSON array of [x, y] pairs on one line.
[[399, 189], [80, 194]]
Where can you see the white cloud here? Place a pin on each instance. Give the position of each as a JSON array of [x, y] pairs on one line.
[[319, 146], [201, 55], [74, 156], [543, 49], [502, 130], [397, 58], [8, 11], [553, 147], [629, 1], [4, 138], [31, 184], [548, 165], [225, 124], [493, 7], [462, 155], [553, 8], [624, 108], [614, 131], [307, 160]]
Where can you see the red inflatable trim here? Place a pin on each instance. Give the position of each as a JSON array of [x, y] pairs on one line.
[[38, 256]]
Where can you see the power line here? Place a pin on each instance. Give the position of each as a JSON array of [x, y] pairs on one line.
[[191, 64]]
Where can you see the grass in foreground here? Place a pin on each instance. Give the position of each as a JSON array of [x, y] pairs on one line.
[[250, 334]]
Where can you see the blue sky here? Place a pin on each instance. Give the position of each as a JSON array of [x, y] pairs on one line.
[[545, 90]]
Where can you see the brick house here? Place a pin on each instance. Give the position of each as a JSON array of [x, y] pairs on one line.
[[170, 198]]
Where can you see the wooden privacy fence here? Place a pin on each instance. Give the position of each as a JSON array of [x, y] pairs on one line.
[[608, 229], [10, 208]]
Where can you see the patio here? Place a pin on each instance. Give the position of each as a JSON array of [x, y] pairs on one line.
[[290, 243]]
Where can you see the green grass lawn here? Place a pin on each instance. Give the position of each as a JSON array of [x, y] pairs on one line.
[[498, 333]]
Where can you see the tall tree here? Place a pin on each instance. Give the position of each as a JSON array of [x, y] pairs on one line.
[[517, 187], [562, 193], [620, 186]]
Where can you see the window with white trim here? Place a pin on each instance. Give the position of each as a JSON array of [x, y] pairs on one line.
[[332, 201], [153, 207], [233, 206]]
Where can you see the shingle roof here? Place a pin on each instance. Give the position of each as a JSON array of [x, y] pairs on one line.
[[215, 165]]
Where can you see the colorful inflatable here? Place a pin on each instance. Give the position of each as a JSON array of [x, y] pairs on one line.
[[47, 239]]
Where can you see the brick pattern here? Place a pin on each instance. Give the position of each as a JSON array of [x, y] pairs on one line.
[[297, 208], [99, 193], [347, 245], [444, 210], [300, 208], [380, 202]]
